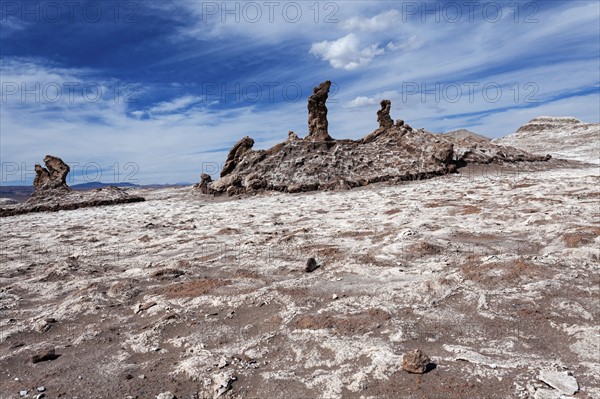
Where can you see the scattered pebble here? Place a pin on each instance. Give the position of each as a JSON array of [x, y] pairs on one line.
[[23, 393], [41, 389], [166, 395], [311, 265], [44, 356], [223, 363], [334, 297], [416, 362]]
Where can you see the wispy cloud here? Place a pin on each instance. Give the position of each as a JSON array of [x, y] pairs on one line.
[[378, 23], [346, 52]]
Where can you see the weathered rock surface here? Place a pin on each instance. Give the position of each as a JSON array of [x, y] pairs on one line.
[[51, 192], [317, 113], [383, 115], [53, 176], [560, 380], [236, 153], [393, 152], [561, 137], [415, 361], [205, 179]]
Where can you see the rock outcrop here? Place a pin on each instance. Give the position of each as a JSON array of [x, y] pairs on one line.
[[51, 192], [383, 115], [236, 153], [52, 177], [317, 113], [393, 152]]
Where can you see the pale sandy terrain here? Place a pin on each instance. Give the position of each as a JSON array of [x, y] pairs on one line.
[[493, 273], [561, 137]]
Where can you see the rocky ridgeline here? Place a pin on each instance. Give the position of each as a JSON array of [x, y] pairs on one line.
[[393, 152], [561, 137], [51, 192]]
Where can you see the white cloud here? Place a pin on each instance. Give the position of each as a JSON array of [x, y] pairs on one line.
[[177, 104], [345, 53], [412, 43], [360, 102], [378, 23]]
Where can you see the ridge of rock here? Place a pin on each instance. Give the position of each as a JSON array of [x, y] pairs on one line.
[[393, 152]]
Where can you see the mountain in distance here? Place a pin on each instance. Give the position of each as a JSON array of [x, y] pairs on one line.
[[461, 134]]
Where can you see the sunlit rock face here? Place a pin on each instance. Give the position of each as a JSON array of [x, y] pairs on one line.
[[393, 152]]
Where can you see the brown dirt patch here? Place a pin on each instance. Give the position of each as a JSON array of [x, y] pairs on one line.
[[355, 233], [496, 272], [228, 230], [349, 324], [193, 288], [585, 235], [469, 210], [421, 249]]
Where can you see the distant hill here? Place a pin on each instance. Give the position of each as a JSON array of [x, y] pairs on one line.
[[18, 193], [465, 134], [561, 137]]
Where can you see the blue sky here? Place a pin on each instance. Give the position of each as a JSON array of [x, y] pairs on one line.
[[157, 92]]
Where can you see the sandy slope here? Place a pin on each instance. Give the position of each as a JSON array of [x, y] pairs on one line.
[[493, 273], [561, 137]]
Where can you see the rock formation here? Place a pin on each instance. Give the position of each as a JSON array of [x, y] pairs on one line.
[[236, 153], [51, 192], [317, 113], [393, 152], [53, 176], [383, 115], [205, 179]]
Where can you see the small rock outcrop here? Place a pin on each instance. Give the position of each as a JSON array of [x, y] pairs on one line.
[[317, 113], [205, 180], [383, 115], [394, 152], [236, 153], [51, 192], [53, 176], [416, 362]]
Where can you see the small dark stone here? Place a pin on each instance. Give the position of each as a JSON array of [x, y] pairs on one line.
[[311, 265], [44, 356]]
